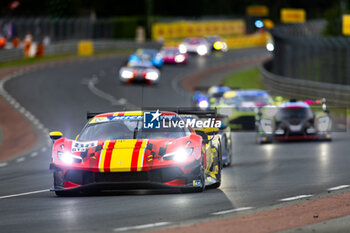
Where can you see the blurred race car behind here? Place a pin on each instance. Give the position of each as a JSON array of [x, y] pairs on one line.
[[172, 55], [139, 71], [217, 43], [241, 106], [293, 120], [195, 45], [151, 55]]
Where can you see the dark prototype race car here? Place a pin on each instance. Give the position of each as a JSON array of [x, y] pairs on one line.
[[293, 120], [116, 151]]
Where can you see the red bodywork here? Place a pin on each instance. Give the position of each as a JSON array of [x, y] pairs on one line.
[[126, 156], [169, 55]]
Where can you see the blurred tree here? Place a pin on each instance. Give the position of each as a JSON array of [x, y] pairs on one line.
[[180, 8], [334, 22]]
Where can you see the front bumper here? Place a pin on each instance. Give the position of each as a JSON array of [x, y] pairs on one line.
[[310, 137], [171, 177], [138, 79]]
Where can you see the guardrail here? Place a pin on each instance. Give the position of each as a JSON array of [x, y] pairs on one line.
[[71, 46], [302, 53], [338, 95]]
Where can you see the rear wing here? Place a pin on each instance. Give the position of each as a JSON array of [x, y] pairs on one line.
[[90, 115], [186, 111], [317, 102], [205, 89], [181, 111]]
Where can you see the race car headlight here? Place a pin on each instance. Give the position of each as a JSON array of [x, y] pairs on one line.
[[218, 45], [202, 50], [152, 75], [126, 74], [224, 47], [68, 158], [270, 47], [180, 155], [266, 125], [323, 124], [203, 104], [182, 48], [179, 58]]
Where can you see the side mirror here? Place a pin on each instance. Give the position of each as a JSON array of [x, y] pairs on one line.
[[204, 136], [55, 135]]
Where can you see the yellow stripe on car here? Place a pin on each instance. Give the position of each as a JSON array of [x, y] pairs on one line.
[[122, 155], [141, 155], [102, 156]]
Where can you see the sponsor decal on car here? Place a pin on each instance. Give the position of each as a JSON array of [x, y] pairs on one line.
[[197, 183], [82, 146], [154, 120]]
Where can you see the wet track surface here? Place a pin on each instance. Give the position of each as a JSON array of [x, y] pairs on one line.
[[260, 175]]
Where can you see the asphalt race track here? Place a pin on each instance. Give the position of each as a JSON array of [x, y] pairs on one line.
[[60, 97]]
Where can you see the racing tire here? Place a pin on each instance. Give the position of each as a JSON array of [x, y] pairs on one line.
[[229, 153]]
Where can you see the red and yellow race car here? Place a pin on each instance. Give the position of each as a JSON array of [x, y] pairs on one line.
[[137, 150]]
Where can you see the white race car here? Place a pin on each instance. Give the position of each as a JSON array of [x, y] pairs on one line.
[[142, 72], [196, 45]]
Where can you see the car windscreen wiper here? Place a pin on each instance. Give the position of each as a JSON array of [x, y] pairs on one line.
[[136, 129]]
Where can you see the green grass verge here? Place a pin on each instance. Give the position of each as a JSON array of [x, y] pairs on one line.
[[29, 61], [245, 79]]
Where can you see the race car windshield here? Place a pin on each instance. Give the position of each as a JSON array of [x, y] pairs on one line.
[[240, 99], [193, 41], [213, 39], [125, 129], [293, 113], [140, 67]]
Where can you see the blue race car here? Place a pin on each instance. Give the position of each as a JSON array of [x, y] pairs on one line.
[[151, 55], [205, 97]]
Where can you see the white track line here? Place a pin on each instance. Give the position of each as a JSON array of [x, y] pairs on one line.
[[3, 164], [232, 210], [19, 160], [43, 149], [24, 194], [33, 154], [91, 83], [295, 198], [140, 227], [338, 187]]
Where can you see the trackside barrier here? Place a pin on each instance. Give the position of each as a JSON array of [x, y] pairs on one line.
[[85, 48], [338, 95], [235, 42], [181, 29], [71, 47]]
